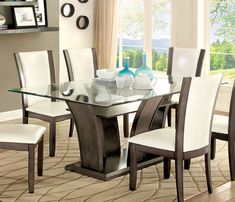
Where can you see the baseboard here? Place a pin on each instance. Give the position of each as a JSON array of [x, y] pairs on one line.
[[10, 115]]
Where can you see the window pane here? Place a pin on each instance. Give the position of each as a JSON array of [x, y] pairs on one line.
[[222, 58], [161, 33], [131, 31]]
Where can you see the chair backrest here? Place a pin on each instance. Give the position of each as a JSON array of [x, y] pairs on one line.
[[81, 63], [185, 62], [35, 68], [196, 106]]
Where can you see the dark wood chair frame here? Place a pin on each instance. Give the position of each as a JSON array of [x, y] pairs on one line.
[[179, 156], [31, 158], [230, 137], [175, 105], [28, 114], [71, 78]]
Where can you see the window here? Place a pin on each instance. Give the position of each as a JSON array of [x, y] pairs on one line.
[[144, 26], [222, 53]]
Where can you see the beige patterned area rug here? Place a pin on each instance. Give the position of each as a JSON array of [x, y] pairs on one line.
[[59, 185]]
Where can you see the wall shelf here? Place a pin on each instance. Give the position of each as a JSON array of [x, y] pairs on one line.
[[29, 30], [17, 3]]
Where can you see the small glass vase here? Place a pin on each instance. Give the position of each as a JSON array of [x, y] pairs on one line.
[[125, 77], [126, 70], [144, 69]]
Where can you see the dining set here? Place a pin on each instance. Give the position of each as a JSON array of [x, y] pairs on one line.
[[93, 106]]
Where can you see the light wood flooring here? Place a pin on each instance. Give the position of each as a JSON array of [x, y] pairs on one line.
[[225, 192]]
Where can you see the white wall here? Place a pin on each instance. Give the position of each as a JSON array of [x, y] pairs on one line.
[[72, 37]]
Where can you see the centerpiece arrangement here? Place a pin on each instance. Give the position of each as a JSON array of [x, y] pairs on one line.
[[143, 78]]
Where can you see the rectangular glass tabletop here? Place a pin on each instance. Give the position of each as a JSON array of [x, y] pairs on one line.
[[103, 93]]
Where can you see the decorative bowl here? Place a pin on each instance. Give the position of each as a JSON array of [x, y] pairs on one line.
[[106, 74]]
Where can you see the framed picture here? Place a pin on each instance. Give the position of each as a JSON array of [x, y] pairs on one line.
[[41, 12], [24, 16]]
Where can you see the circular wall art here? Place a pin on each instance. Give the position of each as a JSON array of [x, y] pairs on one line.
[[82, 22], [67, 10], [83, 1]]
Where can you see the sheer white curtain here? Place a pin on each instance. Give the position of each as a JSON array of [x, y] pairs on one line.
[[106, 32]]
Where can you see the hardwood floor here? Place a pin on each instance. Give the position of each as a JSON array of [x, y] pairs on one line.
[[225, 192]]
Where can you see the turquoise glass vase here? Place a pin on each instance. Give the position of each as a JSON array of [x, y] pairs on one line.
[[144, 69], [126, 71]]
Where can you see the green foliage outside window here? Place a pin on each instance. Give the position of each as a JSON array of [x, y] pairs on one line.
[[222, 53], [159, 59]]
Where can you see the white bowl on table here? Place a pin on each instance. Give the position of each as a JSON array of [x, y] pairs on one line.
[[106, 74]]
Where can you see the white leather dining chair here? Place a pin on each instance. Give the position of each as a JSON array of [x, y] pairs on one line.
[[192, 135], [183, 62], [37, 68], [22, 137], [223, 128], [81, 64]]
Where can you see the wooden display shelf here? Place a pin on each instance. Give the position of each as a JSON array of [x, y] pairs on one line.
[[17, 3], [29, 30]]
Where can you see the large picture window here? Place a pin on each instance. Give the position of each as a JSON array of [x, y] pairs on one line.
[[222, 53], [144, 26]]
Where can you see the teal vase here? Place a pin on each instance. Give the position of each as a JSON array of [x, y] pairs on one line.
[[126, 71], [144, 69]]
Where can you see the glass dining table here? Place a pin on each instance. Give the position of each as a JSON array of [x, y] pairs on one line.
[[95, 107]]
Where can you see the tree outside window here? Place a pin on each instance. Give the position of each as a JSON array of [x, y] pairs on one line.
[[222, 53], [131, 36]]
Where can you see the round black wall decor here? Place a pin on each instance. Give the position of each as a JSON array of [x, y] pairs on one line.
[[67, 10], [83, 1], [82, 22]]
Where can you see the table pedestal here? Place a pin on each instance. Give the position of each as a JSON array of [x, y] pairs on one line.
[[99, 141], [115, 166]]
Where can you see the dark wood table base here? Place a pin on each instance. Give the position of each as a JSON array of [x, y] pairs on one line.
[[115, 166], [99, 140]]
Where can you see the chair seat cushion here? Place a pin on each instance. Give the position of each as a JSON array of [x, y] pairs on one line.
[[161, 138], [52, 109], [220, 124], [21, 133]]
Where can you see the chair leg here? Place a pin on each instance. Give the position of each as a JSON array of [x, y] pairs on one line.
[[31, 159], [71, 128], [187, 164], [179, 179], [167, 168], [25, 120], [169, 115], [176, 115], [52, 138], [40, 157], [231, 155], [213, 148], [126, 125], [208, 172], [133, 168]]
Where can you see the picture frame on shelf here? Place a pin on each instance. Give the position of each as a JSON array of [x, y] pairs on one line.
[[41, 12], [24, 16]]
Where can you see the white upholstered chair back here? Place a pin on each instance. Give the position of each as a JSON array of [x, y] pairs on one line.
[[36, 71], [185, 61], [82, 63], [200, 105]]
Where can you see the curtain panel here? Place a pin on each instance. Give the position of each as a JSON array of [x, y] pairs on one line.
[[106, 22]]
